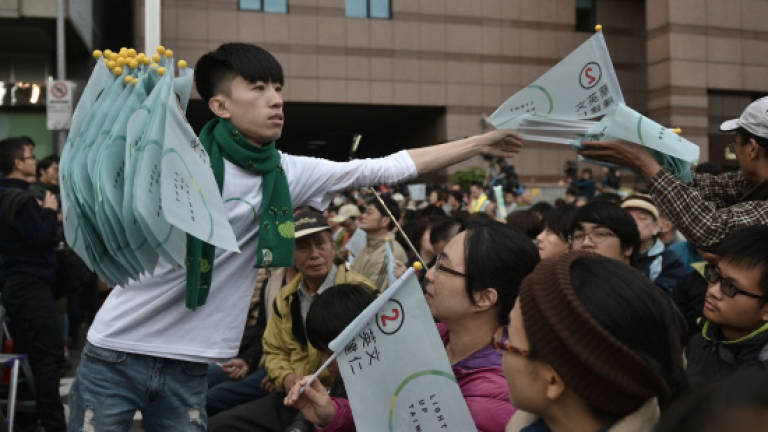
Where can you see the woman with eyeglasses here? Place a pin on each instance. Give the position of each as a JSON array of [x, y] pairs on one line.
[[591, 348], [606, 229], [470, 290]]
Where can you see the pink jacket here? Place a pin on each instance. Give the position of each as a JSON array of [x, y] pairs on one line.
[[482, 383]]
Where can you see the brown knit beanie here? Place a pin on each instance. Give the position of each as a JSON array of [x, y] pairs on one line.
[[593, 363]]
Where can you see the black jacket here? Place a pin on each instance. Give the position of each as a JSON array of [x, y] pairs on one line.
[[710, 358], [662, 266], [27, 233]]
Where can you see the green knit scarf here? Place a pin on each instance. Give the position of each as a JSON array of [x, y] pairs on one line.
[[276, 242]]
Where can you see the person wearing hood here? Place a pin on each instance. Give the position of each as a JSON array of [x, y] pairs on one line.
[[734, 326], [662, 266]]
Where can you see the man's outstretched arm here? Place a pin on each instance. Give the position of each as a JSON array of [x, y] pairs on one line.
[[499, 143]]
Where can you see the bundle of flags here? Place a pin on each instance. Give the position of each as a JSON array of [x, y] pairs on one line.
[[580, 99], [134, 177]]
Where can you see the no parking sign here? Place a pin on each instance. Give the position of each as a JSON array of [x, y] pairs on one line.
[[58, 111]]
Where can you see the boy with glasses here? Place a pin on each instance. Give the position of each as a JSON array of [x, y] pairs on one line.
[[606, 229], [735, 313]]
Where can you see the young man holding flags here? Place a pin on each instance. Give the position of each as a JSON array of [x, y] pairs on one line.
[[145, 350]]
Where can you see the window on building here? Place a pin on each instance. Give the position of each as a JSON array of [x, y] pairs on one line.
[[586, 18], [368, 9], [275, 6]]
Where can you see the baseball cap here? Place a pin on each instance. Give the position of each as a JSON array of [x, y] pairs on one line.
[[754, 119], [642, 202], [309, 222], [345, 212]]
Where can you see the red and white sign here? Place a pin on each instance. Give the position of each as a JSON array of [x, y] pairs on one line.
[[58, 112]]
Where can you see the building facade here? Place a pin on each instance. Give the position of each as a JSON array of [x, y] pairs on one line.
[[413, 72]]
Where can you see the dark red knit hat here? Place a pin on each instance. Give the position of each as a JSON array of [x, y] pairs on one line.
[[593, 363]]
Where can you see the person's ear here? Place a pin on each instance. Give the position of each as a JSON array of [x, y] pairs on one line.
[[764, 311], [752, 149], [219, 105], [485, 299], [384, 221], [555, 386], [628, 252]]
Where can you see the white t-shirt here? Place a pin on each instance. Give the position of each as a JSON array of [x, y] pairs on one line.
[[149, 316]]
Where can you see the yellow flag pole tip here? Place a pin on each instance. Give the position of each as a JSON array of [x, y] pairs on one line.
[[96, 54], [182, 64], [135, 81], [677, 131], [161, 71], [598, 28], [133, 63], [111, 64], [107, 52], [154, 66], [117, 70], [132, 52], [127, 79], [169, 53], [156, 58], [160, 49], [417, 266]]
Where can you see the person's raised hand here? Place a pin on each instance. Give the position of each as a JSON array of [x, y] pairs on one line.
[[504, 143], [622, 153], [315, 403]]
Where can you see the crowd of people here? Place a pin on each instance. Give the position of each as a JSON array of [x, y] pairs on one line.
[[600, 311]]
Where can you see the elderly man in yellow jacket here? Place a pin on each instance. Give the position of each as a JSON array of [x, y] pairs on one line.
[[288, 355]]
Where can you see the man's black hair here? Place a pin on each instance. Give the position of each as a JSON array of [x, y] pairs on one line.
[[747, 135], [27, 141], [497, 256], [614, 218], [526, 221], [619, 297], [11, 149], [560, 221], [46, 162], [216, 69], [610, 197], [333, 310], [390, 203], [444, 228], [748, 247], [458, 196], [541, 207]]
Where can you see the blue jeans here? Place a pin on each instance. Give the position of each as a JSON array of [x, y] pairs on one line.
[[111, 385], [224, 393]]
